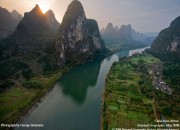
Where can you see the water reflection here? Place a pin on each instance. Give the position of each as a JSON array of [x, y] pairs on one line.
[[75, 101], [76, 82]]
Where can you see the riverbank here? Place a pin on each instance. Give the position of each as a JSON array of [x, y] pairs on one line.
[[130, 97], [75, 98], [18, 100]]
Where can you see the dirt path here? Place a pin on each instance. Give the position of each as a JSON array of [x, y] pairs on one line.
[[154, 109]]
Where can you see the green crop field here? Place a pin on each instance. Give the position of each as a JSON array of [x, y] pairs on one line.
[[129, 93]]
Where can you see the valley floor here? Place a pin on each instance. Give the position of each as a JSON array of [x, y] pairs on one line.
[[131, 98], [18, 99]]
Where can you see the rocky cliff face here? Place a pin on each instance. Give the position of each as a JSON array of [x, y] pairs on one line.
[[168, 40], [53, 23], [78, 37]]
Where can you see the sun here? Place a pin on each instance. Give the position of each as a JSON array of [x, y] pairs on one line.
[[44, 7]]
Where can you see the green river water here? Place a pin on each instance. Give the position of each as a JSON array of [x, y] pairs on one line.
[[75, 101]]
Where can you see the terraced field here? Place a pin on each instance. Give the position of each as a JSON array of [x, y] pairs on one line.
[[125, 105]]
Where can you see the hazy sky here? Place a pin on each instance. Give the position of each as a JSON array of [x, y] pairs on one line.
[[143, 15]]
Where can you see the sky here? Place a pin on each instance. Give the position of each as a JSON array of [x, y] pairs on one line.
[[143, 15]]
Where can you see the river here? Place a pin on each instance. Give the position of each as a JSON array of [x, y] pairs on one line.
[[75, 101]]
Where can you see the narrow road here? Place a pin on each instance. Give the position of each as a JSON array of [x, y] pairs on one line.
[[154, 108]]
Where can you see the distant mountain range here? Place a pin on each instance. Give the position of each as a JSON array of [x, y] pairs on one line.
[[29, 44], [16, 16], [8, 22], [32, 32], [53, 23], [125, 37]]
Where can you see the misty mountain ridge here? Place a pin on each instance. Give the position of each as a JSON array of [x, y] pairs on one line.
[[31, 31], [53, 23], [30, 43], [16, 16], [125, 36], [34, 30], [8, 22]]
